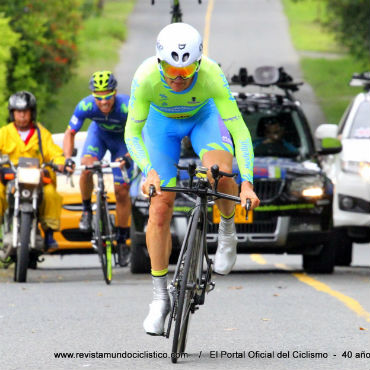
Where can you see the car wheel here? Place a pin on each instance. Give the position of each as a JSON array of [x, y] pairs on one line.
[[140, 261], [343, 248], [322, 263]]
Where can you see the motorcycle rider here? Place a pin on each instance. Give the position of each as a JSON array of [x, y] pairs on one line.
[[24, 137]]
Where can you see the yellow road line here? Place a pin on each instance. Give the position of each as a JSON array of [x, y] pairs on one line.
[[207, 27], [351, 303], [258, 259]]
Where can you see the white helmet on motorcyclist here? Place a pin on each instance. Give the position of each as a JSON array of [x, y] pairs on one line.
[[179, 45]]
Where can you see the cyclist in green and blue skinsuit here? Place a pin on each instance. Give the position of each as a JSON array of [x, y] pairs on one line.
[[175, 94], [108, 112]]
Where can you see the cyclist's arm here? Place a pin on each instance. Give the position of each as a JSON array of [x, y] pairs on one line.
[[138, 111], [234, 122], [68, 142], [82, 110]]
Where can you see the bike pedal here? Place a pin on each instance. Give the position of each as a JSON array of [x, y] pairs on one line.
[[210, 286]]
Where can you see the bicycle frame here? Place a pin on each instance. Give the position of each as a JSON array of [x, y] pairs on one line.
[[103, 235], [199, 213]]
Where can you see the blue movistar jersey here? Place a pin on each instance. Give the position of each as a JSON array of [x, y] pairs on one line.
[[114, 121]]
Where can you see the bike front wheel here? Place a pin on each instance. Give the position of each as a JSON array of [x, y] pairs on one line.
[[23, 249], [103, 240], [187, 288]]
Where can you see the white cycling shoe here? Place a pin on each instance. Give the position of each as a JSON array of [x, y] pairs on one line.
[[159, 308], [225, 257], [154, 322]]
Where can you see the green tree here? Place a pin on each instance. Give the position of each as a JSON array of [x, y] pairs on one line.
[[350, 20], [43, 58], [7, 41]]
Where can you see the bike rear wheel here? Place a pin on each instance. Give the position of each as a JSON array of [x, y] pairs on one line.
[[187, 286], [23, 249], [102, 238]]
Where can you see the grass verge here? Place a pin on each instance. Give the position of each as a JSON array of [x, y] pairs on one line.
[[305, 27], [329, 77], [330, 81], [99, 41]]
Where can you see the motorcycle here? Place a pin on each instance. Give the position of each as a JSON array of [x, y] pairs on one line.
[[22, 242]]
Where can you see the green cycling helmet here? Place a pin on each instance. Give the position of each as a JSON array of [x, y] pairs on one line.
[[102, 81]]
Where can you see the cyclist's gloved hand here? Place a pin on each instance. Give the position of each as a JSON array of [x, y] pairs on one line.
[[126, 162], [69, 165], [129, 162]]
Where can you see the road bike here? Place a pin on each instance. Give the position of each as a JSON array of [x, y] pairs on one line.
[[192, 277], [103, 222]]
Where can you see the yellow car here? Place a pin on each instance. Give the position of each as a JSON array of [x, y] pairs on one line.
[[70, 238]]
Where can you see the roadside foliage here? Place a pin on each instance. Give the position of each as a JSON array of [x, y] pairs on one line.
[[42, 43], [350, 22], [8, 40]]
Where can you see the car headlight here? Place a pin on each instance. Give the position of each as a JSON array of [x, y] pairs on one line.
[[307, 186], [365, 171], [357, 167]]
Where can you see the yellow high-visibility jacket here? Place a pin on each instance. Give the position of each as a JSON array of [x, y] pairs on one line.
[[12, 144]]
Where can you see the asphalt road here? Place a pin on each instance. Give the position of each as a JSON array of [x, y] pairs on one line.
[[265, 310], [266, 304]]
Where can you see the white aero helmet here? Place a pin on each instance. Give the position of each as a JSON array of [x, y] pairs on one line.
[[179, 44]]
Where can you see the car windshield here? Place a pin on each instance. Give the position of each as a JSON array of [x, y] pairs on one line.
[[361, 124], [277, 135], [273, 135]]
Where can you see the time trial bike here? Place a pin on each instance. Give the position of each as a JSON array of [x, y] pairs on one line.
[[192, 278]]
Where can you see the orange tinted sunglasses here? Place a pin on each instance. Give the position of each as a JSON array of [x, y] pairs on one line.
[[184, 72]]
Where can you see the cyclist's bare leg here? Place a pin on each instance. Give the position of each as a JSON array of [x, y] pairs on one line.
[[86, 187], [123, 211], [86, 178], [225, 257], [226, 185], [123, 204], [158, 236]]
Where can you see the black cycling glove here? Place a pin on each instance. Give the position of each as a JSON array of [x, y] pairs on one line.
[[69, 163], [128, 161]]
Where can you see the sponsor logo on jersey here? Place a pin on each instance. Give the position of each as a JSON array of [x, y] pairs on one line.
[[74, 120], [193, 101], [85, 107], [94, 149], [227, 87], [124, 108], [163, 99], [226, 139]]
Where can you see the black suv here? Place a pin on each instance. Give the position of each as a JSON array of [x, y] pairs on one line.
[[295, 214]]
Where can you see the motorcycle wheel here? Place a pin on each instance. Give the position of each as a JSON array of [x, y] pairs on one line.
[[23, 249]]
